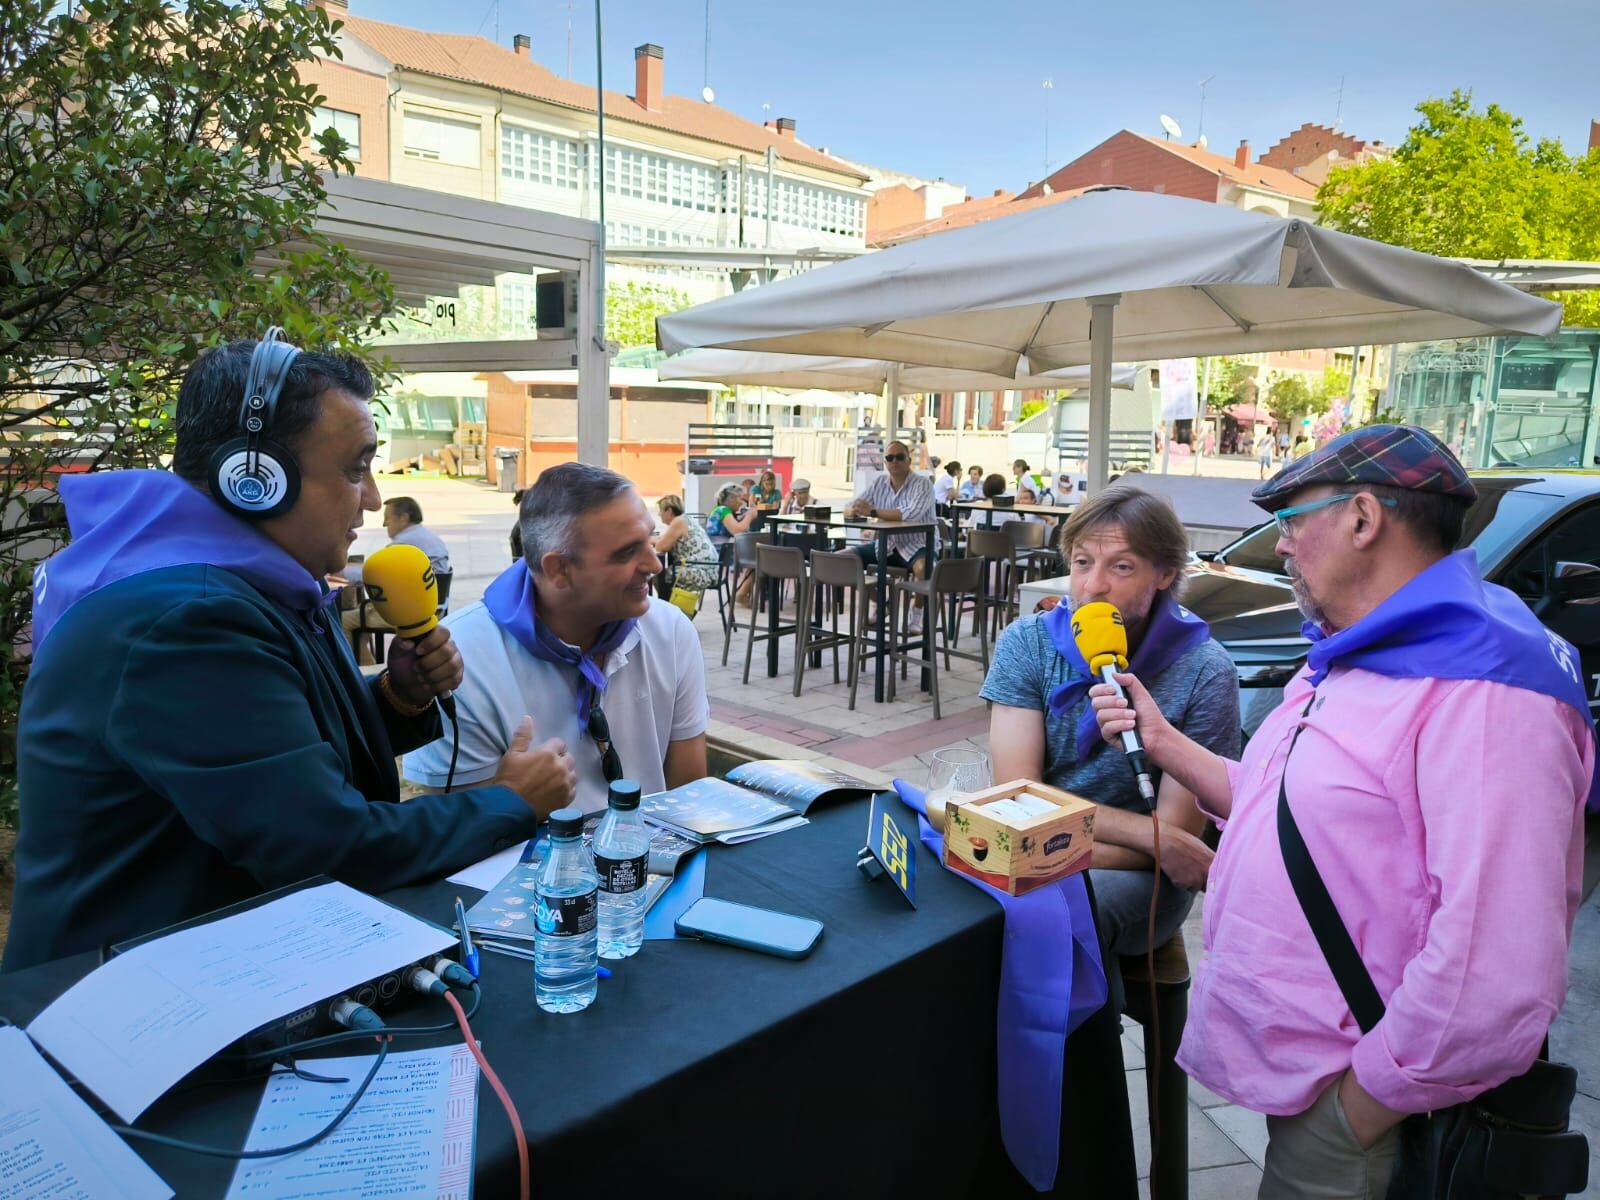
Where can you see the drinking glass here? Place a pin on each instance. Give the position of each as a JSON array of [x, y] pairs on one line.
[[955, 771]]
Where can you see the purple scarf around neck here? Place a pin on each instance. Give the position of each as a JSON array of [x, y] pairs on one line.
[[513, 602], [1170, 632]]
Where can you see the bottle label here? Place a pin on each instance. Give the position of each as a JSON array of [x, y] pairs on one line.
[[566, 916], [622, 875]]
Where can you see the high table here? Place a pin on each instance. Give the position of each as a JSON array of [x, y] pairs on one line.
[[881, 589], [989, 508], [709, 1071]]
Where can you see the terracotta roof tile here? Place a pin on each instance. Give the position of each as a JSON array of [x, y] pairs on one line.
[[1274, 179], [478, 60], [958, 216]]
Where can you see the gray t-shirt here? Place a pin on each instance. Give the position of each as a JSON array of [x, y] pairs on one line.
[[1199, 694]]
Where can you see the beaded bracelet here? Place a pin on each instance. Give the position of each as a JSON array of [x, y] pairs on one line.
[[393, 697]]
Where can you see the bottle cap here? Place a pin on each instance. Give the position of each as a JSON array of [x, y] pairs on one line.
[[624, 796], [566, 823]]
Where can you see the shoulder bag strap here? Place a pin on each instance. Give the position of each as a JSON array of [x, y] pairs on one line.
[[1349, 972]]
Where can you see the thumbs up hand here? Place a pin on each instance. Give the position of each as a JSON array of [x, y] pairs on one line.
[[544, 776]]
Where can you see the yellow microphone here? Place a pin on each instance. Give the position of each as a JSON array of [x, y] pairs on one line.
[[403, 588], [1102, 639]]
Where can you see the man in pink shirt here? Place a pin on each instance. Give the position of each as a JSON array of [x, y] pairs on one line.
[[1442, 754]]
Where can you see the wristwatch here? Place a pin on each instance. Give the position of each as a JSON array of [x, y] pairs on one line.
[[873, 513]]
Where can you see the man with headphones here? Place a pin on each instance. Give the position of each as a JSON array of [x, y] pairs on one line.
[[195, 730]]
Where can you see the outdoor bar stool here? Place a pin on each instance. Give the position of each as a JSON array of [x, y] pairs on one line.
[[1165, 1083], [838, 579], [778, 564], [1034, 555], [997, 552], [744, 559], [951, 577]]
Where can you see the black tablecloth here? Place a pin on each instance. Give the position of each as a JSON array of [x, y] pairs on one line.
[[735, 1073]]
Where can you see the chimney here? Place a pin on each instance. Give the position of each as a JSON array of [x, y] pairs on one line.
[[647, 72], [1241, 156], [1594, 136], [786, 127], [523, 45]]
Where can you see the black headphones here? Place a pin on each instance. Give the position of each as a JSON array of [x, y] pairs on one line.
[[252, 476]]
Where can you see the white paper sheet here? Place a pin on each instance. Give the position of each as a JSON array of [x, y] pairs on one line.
[[485, 874], [135, 1026], [410, 1138], [52, 1143]]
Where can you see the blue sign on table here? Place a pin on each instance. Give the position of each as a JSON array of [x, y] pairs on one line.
[[893, 845]]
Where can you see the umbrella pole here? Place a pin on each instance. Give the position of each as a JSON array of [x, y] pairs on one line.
[[1102, 314]]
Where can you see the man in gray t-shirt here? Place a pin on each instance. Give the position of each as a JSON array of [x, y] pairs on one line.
[[1198, 693]]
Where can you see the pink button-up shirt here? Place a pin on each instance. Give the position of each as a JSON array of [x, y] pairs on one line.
[[1446, 818]]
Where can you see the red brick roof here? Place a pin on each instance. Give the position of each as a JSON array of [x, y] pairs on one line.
[[478, 60], [971, 212], [1273, 179]]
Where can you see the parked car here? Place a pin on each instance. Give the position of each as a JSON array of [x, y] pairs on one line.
[[1535, 532]]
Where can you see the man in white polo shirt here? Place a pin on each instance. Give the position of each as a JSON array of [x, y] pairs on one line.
[[571, 639]]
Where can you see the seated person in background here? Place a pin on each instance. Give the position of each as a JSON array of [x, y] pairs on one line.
[[570, 644], [731, 514], [402, 520], [1026, 495], [1126, 547], [972, 489], [195, 730], [693, 556], [799, 497], [944, 486], [993, 487], [897, 495], [767, 495]]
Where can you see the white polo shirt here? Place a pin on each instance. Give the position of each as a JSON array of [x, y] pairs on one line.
[[655, 695]]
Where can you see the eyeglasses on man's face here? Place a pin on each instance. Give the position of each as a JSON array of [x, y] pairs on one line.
[[1285, 516], [895, 457]]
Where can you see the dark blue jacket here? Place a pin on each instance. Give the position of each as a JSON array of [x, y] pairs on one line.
[[187, 741]]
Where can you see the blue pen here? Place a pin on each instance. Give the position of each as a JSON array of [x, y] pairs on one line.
[[601, 973], [469, 952]]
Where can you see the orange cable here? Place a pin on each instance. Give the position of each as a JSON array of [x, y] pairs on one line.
[[500, 1091]]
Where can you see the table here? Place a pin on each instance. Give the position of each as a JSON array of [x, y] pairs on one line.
[[881, 591], [1055, 512], [710, 1071]]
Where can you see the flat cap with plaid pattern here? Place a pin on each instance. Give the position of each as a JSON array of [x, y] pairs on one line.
[[1402, 456]]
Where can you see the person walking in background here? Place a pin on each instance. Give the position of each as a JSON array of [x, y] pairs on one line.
[[1264, 453]]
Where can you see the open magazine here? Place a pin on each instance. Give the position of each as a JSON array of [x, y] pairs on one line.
[[502, 920], [757, 799]]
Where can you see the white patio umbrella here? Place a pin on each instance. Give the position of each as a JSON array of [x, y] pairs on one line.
[[861, 374], [1041, 289]]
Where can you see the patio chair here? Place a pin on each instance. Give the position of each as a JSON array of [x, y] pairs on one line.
[[839, 580], [742, 560], [776, 564], [951, 577]]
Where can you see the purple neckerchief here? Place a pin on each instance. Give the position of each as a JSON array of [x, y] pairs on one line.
[[1170, 633], [1051, 981], [125, 523], [513, 602], [1447, 623]]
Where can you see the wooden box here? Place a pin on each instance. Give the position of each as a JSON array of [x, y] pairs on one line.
[[1019, 836]]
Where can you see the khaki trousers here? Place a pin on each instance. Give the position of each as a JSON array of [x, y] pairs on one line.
[[1315, 1155]]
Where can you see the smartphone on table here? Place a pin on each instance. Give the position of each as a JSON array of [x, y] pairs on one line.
[[750, 928]]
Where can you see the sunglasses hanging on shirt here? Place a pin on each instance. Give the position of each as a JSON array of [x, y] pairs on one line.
[[600, 731]]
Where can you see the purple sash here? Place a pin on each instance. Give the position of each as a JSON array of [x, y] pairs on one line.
[[1171, 632], [513, 602], [1447, 623], [1051, 980]]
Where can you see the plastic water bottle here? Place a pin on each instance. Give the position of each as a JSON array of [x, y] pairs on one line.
[[622, 860], [564, 922]]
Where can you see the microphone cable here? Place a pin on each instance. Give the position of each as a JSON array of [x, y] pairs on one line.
[[524, 1177], [455, 739]]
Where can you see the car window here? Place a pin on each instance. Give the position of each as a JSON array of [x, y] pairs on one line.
[[1575, 538], [1254, 551], [1505, 512]]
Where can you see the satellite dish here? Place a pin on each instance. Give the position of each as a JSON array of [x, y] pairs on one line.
[[707, 94], [1170, 126]]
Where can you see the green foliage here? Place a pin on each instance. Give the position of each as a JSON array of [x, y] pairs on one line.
[[1227, 382], [632, 309], [1031, 408], [1289, 398], [1470, 183], [150, 153]]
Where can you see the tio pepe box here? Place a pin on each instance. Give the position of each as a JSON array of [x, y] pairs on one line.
[[1019, 836]]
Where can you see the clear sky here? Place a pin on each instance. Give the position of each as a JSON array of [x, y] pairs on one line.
[[941, 88]]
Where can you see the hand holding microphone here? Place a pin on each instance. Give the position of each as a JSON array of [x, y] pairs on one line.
[[424, 663], [1102, 639]]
